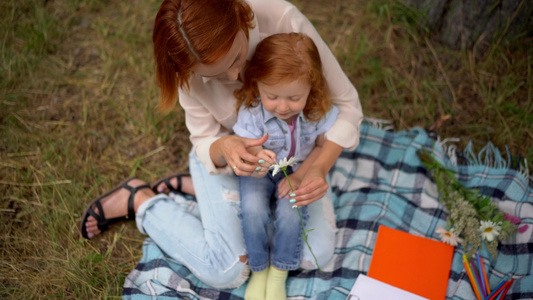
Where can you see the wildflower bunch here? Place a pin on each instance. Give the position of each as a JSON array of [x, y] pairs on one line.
[[282, 165], [473, 220]]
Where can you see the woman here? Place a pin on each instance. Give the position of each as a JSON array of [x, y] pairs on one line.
[[201, 47]]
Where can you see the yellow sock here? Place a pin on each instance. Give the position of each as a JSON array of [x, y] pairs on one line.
[[255, 290], [276, 288]]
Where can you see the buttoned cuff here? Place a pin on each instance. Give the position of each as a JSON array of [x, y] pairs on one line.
[[344, 134], [202, 151]]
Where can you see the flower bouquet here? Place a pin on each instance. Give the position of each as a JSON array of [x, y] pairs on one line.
[[473, 220]]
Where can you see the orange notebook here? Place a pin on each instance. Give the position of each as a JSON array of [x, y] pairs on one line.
[[413, 263]]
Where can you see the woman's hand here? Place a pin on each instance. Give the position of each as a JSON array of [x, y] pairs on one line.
[[312, 187], [284, 189], [233, 151]]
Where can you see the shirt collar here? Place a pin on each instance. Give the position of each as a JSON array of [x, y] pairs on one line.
[[267, 116]]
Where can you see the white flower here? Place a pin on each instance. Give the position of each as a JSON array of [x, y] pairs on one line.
[[282, 165], [489, 230], [448, 236]]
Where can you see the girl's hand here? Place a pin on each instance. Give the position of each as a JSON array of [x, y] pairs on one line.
[[312, 187], [284, 189], [234, 150], [269, 158]]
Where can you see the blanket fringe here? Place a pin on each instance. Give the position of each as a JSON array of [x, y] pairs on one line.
[[449, 149], [489, 156], [379, 123], [524, 169]]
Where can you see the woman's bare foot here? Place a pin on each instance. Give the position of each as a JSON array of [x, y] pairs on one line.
[[186, 185], [116, 205]]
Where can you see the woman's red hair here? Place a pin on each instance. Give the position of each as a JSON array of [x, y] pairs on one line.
[[286, 57], [188, 32]]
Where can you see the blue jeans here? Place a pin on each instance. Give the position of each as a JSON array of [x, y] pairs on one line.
[[285, 251], [210, 243]]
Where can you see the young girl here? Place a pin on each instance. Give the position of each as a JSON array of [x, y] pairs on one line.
[[285, 96]]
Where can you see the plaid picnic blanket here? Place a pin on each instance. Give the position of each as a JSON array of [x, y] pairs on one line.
[[382, 182]]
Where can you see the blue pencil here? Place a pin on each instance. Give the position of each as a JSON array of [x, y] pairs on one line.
[[496, 289], [506, 288], [500, 294]]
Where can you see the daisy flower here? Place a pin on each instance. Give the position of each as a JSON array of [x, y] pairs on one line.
[[489, 230], [448, 236], [282, 165]]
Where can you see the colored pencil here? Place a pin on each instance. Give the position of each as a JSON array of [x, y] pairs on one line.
[[497, 291], [484, 274], [477, 277], [481, 276], [471, 277], [504, 292]]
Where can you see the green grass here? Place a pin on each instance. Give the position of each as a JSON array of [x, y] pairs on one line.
[[78, 113], [402, 75]]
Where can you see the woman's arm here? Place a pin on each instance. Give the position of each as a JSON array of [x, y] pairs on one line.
[[235, 151], [314, 185], [209, 124], [298, 175]]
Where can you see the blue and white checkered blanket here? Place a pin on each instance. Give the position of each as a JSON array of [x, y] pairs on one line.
[[382, 182]]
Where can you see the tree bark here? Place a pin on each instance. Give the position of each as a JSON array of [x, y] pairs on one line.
[[467, 23]]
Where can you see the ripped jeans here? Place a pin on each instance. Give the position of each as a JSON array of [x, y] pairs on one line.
[[210, 242]]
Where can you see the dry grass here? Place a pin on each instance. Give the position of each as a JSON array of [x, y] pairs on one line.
[[78, 114]]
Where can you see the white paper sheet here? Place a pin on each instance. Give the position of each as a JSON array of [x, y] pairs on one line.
[[366, 288]]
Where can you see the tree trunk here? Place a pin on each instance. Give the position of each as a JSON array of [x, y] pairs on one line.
[[465, 23]]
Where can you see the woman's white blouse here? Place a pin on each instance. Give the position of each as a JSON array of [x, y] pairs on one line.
[[210, 107]]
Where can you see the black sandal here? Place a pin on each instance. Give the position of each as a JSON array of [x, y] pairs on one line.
[[169, 186], [102, 222]]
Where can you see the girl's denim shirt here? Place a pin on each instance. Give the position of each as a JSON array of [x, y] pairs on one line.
[[255, 122]]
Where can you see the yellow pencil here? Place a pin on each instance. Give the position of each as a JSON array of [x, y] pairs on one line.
[[471, 277]]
